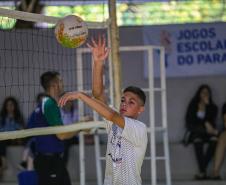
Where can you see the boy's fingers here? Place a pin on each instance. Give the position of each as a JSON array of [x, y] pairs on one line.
[[60, 103], [63, 100], [99, 40], [107, 50], [89, 46], [94, 43], [104, 40]]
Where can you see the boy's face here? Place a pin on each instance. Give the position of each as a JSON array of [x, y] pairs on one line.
[[58, 85], [131, 105]]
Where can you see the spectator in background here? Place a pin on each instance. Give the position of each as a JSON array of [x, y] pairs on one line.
[[11, 119], [220, 150], [29, 150], [200, 121], [48, 161]]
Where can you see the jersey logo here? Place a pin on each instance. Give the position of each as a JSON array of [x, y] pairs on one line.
[[116, 152]]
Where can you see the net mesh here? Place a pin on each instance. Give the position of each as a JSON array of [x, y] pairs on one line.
[[26, 53]]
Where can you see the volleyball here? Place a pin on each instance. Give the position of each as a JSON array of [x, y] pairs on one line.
[[71, 31]]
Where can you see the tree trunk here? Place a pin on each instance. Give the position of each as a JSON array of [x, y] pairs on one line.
[[115, 58]]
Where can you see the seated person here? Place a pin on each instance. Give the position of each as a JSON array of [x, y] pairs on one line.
[[11, 119], [48, 159], [200, 121]]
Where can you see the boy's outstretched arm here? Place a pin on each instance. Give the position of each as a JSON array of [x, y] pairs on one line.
[[99, 54], [97, 105]]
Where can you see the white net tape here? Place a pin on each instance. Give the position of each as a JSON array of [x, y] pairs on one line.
[[15, 14], [92, 125]]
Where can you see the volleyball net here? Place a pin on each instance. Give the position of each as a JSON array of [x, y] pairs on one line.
[[26, 53]]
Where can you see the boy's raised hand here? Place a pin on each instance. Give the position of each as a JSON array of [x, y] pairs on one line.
[[68, 97], [99, 50]]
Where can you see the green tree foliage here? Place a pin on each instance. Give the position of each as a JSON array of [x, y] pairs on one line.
[[6, 23], [173, 12], [151, 13]]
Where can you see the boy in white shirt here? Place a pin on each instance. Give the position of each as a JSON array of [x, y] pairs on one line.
[[127, 137]]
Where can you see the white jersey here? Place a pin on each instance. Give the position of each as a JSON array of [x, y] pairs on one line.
[[125, 152]]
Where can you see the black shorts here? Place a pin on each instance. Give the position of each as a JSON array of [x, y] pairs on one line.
[[51, 170]]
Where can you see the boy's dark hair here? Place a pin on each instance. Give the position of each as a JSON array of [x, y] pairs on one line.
[[47, 78], [138, 91]]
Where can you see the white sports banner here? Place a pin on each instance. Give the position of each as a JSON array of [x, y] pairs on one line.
[[191, 49]]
